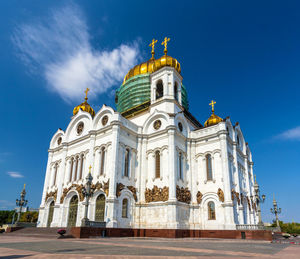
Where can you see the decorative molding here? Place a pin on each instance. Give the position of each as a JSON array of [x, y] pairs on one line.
[[121, 187], [51, 194], [74, 186], [248, 201], [183, 194], [104, 186], [221, 195], [199, 197], [157, 194], [236, 195]]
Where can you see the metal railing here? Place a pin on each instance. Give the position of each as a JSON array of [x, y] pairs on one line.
[[97, 224], [250, 227]]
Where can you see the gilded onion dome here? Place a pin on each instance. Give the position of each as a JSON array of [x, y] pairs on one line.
[[213, 119], [153, 65], [84, 106]]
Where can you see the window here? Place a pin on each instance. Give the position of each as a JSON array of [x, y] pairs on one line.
[[157, 164], [126, 169], [159, 89], [211, 211], [176, 91], [102, 160], [125, 208], [180, 165], [208, 168], [81, 165], [71, 169], [76, 169], [238, 140], [55, 174]]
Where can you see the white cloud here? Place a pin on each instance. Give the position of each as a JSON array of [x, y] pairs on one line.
[[59, 47], [15, 175], [291, 134], [6, 204]]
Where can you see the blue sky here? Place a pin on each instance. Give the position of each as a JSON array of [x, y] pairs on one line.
[[243, 54]]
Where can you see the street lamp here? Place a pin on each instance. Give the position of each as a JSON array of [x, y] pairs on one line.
[[22, 202], [87, 191], [258, 199], [275, 210]]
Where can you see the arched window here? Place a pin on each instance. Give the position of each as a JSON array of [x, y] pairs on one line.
[[176, 91], [126, 166], [102, 160], [238, 140], [211, 211], [180, 165], [81, 165], [72, 217], [125, 208], [76, 169], [157, 164], [50, 214], [159, 89], [208, 167], [71, 169], [100, 208], [55, 174]]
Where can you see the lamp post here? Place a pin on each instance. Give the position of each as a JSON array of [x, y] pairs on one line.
[[87, 191], [275, 210], [258, 199], [21, 203]]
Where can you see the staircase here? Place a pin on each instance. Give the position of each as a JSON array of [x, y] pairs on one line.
[[37, 232]]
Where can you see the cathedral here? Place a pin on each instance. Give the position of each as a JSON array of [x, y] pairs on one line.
[[153, 164]]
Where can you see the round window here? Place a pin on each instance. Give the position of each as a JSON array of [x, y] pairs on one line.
[[80, 127], [104, 120], [157, 124]]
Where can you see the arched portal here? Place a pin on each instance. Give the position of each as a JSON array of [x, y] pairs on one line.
[[50, 214], [100, 208], [73, 211]]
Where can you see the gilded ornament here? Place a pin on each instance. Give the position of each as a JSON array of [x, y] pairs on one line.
[[213, 119], [199, 197], [236, 195], [248, 201], [183, 194], [221, 195], [51, 194], [156, 194], [120, 187], [77, 187], [157, 124], [84, 106]]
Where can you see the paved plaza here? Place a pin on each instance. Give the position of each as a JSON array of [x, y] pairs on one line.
[[36, 247]]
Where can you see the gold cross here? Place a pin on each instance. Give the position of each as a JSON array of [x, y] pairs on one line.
[[86, 93], [24, 185], [165, 43], [152, 45], [212, 105], [90, 167]]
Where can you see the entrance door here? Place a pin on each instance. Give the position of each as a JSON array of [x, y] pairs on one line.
[[73, 211], [100, 208], [50, 214]]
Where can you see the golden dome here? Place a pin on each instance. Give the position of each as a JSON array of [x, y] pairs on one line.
[[213, 119], [84, 106], [153, 65]]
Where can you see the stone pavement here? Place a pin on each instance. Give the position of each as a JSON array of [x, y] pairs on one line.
[[34, 247]]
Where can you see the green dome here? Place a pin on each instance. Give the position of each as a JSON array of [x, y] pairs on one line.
[[135, 95]]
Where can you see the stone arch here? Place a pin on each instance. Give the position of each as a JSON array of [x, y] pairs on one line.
[[73, 211]]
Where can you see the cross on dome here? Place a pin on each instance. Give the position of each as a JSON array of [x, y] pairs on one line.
[[86, 93], [212, 104], [152, 44], [165, 43]]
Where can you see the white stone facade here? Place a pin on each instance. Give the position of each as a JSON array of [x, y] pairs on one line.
[[230, 168]]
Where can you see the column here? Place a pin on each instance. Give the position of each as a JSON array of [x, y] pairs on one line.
[[80, 168], [237, 183], [74, 171], [172, 164], [111, 200], [228, 205], [52, 175], [89, 160], [68, 171]]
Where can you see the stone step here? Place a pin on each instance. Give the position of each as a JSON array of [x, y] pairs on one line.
[[37, 232]]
